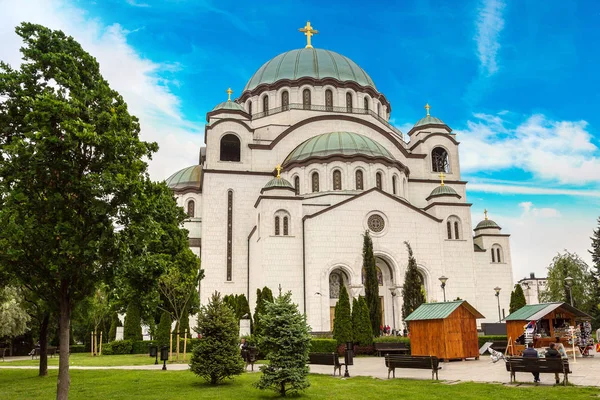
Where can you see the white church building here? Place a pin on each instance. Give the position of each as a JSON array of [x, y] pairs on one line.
[[302, 163]]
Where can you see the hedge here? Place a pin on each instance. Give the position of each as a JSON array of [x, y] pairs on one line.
[[492, 338], [323, 345], [77, 348]]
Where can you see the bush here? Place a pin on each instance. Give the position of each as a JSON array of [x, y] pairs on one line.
[[323, 345], [141, 346], [121, 346], [491, 338], [164, 329], [78, 348], [107, 349]]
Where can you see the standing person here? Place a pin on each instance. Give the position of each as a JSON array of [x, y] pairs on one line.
[[553, 353], [530, 352]]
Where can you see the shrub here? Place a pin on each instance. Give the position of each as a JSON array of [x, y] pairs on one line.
[[342, 324], [142, 346], [79, 348], [323, 345], [114, 323], [107, 349], [361, 323], [164, 329], [121, 346], [132, 329], [491, 338]]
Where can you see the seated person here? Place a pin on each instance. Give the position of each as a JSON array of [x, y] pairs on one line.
[[530, 352], [553, 353]]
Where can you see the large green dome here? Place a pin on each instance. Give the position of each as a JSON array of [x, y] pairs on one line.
[[337, 143], [185, 178], [309, 62]]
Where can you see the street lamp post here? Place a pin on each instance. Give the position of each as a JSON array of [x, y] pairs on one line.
[[569, 282], [393, 291], [497, 289], [443, 279]]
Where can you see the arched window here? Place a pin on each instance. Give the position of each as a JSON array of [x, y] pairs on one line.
[[266, 105], [229, 234], [277, 233], [328, 100], [359, 180], [497, 255], [285, 226], [315, 182], [230, 148], [449, 228], [337, 180], [285, 100], [456, 231], [349, 102], [453, 225], [493, 255], [394, 184], [191, 206], [306, 99], [378, 180], [297, 185], [250, 108], [366, 104], [439, 160]]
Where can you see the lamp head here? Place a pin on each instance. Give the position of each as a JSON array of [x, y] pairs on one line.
[[443, 279], [497, 289], [569, 281]]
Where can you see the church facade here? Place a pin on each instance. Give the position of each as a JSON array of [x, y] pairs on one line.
[[304, 162]]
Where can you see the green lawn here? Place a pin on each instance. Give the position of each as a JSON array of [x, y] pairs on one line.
[[173, 385], [86, 360]]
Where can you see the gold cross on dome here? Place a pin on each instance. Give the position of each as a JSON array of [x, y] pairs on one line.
[[229, 91], [278, 168], [308, 31], [442, 176], [427, 107], [485, 213]]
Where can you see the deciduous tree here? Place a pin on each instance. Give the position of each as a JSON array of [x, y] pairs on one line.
[[569, 265]]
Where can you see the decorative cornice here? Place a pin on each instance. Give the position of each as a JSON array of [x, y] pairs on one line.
[[313, 82], [348, 158], [447, 204], [225, 171], [487, 227], [458, 196], [226, 111], [276, 198], [418, 142], [491, 235], [222, 120], [437, 181], [186, 190], [421, 127], [277, 188]]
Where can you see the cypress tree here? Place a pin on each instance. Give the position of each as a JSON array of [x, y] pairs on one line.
[[342, 323], [185, 323], [517, 299], [595, 272], [114, 323], [257, 311], [412, 295], [361, 324], [163, 329], [132, 329], [371, 284]]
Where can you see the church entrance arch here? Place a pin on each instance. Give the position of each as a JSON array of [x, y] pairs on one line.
[[338, 278], [386, 279]]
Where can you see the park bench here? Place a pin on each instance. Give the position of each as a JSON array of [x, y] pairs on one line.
[[393, 361], [541, 365], [3, 353], [250, 356], [391, 347], [326, 359], [35, 353]]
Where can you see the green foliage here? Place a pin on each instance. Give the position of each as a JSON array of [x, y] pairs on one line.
[[114, 323], [164, 329], [262, 297], [342, 323], [569, 265], [287, 341], [132, 329], [13, 315], [217, 355], [184, 324], [412, 296], [362, 332], [517, 299], [79, 348], [239, 304], [107, 349], [323, 345], [371, 284], [491, 338], [121, 346], [595, 278]]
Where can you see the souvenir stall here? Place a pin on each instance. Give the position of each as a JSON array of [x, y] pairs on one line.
[[547, 323]]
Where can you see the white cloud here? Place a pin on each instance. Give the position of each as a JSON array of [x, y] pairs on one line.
[[489, 24], [530, 210], [560, 151], [136, 78], [503, 188]]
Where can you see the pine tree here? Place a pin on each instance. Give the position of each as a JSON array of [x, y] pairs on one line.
[[517, 299], [217, 355], [595, 271], [287, 341], [163, 330], [412, 296], [342, 323], [132, 329], [361, 324], [371, 284]]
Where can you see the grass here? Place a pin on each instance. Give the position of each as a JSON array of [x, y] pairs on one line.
[[86, 360], [174, 385]]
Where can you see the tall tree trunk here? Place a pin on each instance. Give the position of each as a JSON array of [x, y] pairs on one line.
[[44, 345], [64, 380]]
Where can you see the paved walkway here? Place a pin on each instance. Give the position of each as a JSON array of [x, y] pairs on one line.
[[586, 371]]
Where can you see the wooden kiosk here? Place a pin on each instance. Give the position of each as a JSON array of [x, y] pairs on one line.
[[552, 322], [446, 330]]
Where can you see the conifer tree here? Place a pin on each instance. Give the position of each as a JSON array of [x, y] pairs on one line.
[[361, 324], [412, 296], [114, 323], [217, 355], [164, 329], [287, 341], [342, 323], [132, 329], [517, 299], [371, 284], [262, 297], [595, 271]]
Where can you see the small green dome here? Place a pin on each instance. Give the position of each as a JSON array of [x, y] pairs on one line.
[[229, 105], [279, 183], [429, 120], [487, 223], [443, 190], [337, 143], [186, 178], [312, 63]]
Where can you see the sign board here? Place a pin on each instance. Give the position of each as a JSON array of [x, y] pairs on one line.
[[244, 327]]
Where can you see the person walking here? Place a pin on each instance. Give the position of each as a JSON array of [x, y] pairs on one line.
[[553, 353], [530, 352]]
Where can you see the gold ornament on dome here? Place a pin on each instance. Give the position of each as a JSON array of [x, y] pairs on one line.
[[308, 31]]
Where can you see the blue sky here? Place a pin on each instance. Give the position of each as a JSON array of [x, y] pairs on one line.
[[515, 80]]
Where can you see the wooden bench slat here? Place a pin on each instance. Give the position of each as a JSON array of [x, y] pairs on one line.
[[326, 359]]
